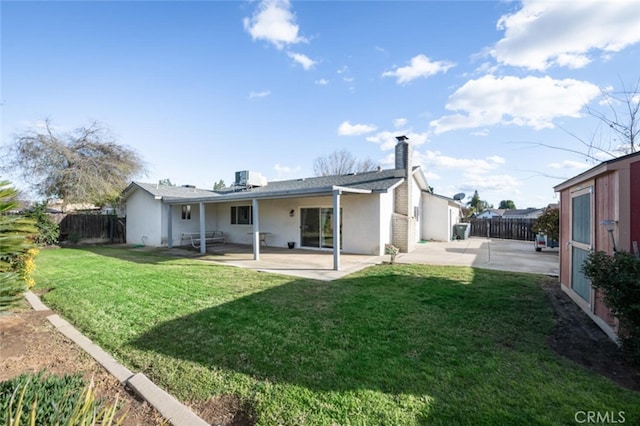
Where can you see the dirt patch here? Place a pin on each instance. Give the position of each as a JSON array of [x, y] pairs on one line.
[[227, 410], [29, 343], [579, 339]]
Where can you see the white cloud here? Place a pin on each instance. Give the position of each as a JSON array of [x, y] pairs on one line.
[[478, 165], [569, 164], [286, 171], [564, 33], [322, 82], [261, 94], [400, 122], [306, 62], [483, 132], [420, 66], [274, 22], [502, 184], [342, 69], [387, 140], [529, 101], [348, 129]]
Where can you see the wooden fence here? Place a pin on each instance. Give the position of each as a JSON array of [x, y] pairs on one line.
[[511, 229], [92, 227]]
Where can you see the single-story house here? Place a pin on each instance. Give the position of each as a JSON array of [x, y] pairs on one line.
[[530, 213], [598, 208], [356, 213]]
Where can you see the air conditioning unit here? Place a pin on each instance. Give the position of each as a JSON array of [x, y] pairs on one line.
[[249, 178]]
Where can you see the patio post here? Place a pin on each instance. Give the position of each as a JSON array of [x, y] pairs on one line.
[[256, 230], [203, 241], [169, 227], [336, 229]]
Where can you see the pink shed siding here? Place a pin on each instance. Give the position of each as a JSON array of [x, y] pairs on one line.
[[635, 203], [565, 236], [616, 196]]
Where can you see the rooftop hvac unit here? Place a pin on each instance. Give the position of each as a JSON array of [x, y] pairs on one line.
[[249, 178]]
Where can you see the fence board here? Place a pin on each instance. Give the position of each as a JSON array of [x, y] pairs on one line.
[[76, 227], [511, 229]]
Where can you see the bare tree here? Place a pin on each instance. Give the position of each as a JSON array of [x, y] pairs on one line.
[[622, 116], [82, 166], [341, 163], [618, 127]]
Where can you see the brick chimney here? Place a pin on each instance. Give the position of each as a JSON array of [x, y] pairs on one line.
[[403, 154]]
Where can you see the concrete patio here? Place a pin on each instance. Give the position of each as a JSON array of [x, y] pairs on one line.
[[505, 255]]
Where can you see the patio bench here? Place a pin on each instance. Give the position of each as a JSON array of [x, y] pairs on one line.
[[213, 237]]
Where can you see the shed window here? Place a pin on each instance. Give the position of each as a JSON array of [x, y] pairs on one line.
[[186, 212], [581, 220], [241, 215]]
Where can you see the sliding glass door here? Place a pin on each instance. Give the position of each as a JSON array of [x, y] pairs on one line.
[[316, 227]]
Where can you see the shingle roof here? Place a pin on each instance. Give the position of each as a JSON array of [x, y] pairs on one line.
[[165, 191], [375, 181], [378, 181]]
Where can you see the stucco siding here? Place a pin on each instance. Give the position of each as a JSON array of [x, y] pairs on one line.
[[144, 219], [180, 225], [360, 221], [418, 205], [386, 213], [436, 220]]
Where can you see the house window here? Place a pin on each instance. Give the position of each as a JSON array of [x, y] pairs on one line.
[[186, 212], [241, 215]]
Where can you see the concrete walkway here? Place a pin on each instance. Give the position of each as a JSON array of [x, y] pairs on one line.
[[503, 255], [313, 264]]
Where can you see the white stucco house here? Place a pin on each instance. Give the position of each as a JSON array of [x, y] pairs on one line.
[[354, 213]]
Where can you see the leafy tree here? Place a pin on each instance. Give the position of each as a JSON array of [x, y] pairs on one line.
[[165, 182], [83, 166], [219, 185], [476, 205], [507, 204], [48, 231], [341, 163], [15, 231], [549, 224]]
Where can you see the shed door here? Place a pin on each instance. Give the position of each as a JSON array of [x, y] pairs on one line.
[[581, 239]]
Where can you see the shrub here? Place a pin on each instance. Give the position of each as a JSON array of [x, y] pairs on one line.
[[549, 224], [52, 400], [48, 231], [618, 277], [11, 289], [15, 241], [25, 266]]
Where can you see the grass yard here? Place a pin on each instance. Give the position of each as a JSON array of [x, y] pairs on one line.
[[393, 344]]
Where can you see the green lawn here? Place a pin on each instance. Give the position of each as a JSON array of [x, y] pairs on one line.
[[389, 345]]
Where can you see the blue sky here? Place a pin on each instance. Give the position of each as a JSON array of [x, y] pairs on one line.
[[202, 89]]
